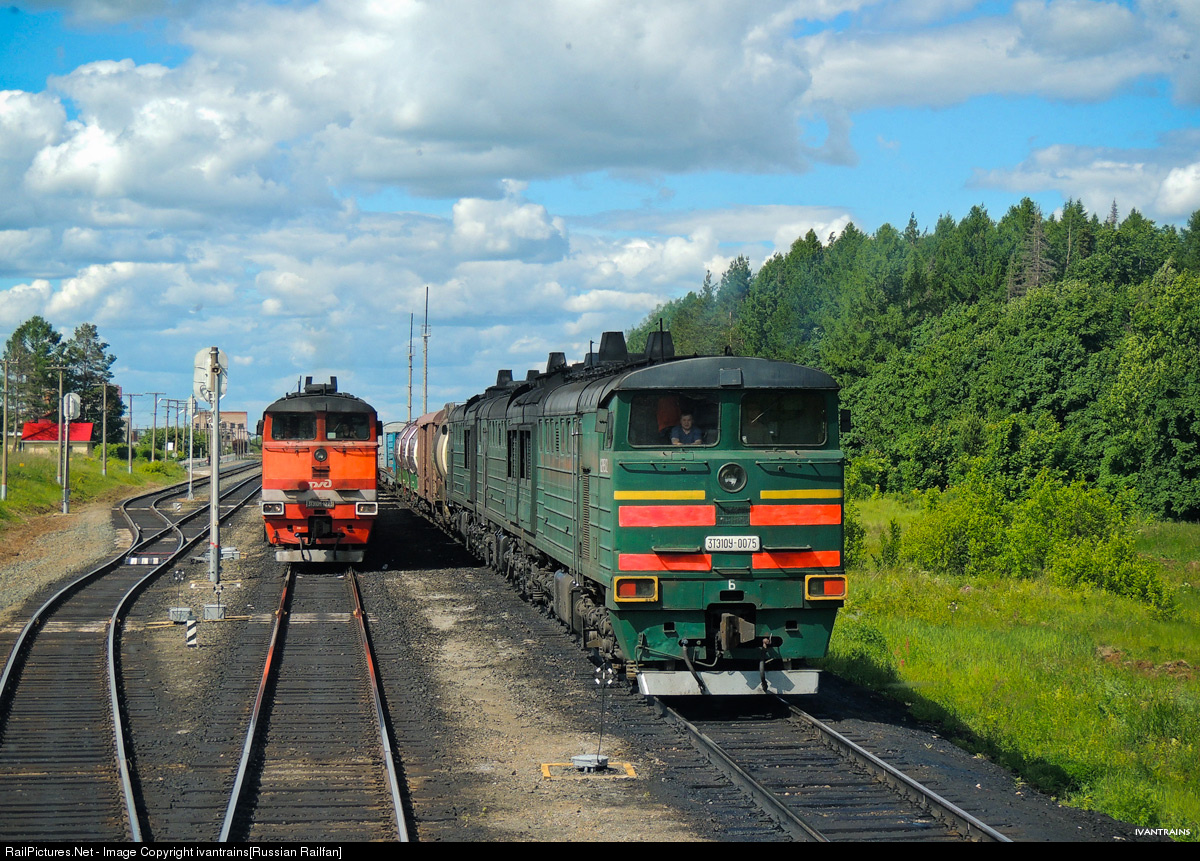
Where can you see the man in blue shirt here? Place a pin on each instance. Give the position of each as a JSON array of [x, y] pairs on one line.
[[686, 433]]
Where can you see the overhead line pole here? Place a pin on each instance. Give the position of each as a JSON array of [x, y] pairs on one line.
[[411, 317], [425, 366]]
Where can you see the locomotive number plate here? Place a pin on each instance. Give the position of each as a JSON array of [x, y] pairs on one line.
[[320, 503], [731, 543]]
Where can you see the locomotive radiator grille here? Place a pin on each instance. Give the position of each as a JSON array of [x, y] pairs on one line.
[[733, 514]]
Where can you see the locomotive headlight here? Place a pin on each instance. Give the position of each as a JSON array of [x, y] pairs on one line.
[[272, 509], [731, 477], [366, 509], [320, 455]]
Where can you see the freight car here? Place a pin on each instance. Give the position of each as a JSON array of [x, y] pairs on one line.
[[683, 516], [319, 474], [388, 471]]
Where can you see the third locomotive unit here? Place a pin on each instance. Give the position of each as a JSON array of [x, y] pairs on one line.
[[683, 516]]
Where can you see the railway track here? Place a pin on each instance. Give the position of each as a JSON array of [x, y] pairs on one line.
[[65, 763], [817, 784], [306, 772]]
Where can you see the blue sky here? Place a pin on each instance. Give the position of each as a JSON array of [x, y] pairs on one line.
[[283, 179]]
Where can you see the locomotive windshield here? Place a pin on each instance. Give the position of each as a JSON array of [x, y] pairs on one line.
[[355, 426], [674, 418], [293, 426], [783, 418]]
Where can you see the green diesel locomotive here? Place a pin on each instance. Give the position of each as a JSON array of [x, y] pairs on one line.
[[683, 516]]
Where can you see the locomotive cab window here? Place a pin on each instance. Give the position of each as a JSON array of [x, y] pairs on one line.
[[666, 418], [293, 426], [342, 426], [783, 418]]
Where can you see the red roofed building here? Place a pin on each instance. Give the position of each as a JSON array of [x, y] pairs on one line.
[[44, 435]]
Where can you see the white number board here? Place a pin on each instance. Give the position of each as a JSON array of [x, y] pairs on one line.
[[732, 543]]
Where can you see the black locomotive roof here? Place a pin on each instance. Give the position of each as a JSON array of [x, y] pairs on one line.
[[326, 402], [709, 373], [722, 372]]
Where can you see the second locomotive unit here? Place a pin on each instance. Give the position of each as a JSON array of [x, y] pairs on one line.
[[682, 515], [319, 474]]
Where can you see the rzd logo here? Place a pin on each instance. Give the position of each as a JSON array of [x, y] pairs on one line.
[[327, 483]]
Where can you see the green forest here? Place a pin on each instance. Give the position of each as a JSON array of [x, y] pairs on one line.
[[1067, 344]]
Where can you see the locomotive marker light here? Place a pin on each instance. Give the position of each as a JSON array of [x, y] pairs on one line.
[[820, 587], [210, 380]]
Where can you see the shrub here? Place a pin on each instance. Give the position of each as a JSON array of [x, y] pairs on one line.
[[1109, 564], [961, 531], [1071, 533]]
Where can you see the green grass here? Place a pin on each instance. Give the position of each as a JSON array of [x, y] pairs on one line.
[[1092, 697], [33, 486]]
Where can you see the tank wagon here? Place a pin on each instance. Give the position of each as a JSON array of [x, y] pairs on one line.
[[319, 474], [683, 516], [419, 481]]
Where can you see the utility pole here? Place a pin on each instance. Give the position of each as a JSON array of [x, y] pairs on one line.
[[104, 430], [129, 429], [154, 427]]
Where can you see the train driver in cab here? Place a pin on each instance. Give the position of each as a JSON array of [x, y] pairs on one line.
[[686, 432]]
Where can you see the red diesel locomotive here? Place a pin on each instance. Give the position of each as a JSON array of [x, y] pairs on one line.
[[319, 478]]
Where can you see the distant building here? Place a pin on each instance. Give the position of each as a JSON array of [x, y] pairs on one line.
[[43, 436], [233, 428]]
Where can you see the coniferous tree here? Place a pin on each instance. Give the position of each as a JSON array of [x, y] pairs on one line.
[[90, 367], [1033, 265], [33, 351]]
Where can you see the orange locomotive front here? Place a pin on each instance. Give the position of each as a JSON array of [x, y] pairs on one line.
[[319, 474]]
